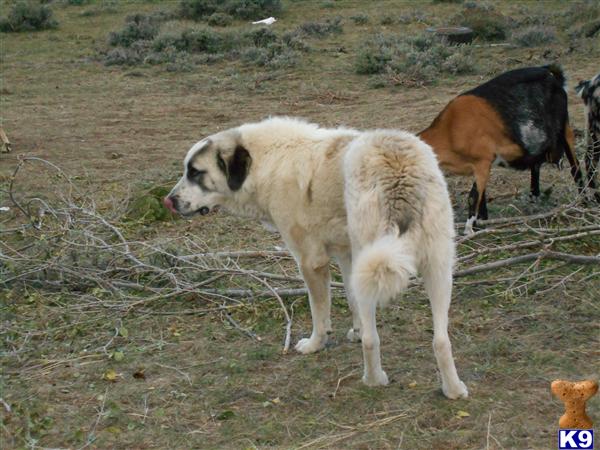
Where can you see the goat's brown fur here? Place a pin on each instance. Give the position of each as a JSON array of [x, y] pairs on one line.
[[469, 135]]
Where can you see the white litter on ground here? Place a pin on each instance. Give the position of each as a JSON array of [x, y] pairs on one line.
[[268, 21]]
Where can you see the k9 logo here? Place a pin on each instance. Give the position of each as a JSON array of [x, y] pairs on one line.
[[575, 439]]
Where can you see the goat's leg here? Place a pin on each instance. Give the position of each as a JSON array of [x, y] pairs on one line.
[[483, 211], [534, 194], [477, 194], [569, 145], [592, 156]]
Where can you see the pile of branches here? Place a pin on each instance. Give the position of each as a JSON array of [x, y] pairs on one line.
[[70, 245]]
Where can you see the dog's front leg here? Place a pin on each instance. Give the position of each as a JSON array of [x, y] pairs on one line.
[[317, 281]]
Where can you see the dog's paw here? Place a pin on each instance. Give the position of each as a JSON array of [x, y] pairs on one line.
[[310, 345], [353, 335], [378, 379], [457, 391]]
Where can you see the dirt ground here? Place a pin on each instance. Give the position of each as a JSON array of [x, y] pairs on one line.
[[171, 376]]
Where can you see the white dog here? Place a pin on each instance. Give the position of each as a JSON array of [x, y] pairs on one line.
[[375, 201]]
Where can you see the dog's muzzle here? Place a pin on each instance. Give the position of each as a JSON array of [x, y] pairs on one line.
[[171, 204]]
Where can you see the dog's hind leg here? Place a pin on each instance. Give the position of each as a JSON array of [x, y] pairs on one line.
[[317, 279], [437, 276], [373, 373], [345, 263]]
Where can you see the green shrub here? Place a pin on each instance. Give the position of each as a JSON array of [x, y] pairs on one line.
[[586, 30], [122, 56], [138, 27], [105, 7], [411, 61], [240, 9], [486, 23], [360, 19], [252, 9], [219, 20], [275, 56], [375, 54], [261, 37], [201, 40], [387, 20], [534, 36], [414, 17], [147, 207], [142, 42], [197, 9], [321, 29], [28, 16], [582, 18], [294, 41]]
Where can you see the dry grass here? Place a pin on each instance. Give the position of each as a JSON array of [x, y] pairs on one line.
[[174, 374]]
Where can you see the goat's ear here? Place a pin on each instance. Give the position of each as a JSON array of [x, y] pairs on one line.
[[582, 89], [237, 168]]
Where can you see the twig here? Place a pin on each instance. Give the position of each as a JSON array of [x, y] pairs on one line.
[[6, 405], [243, 330], [339, 381], [288, 326], [187, 377], [577, 259], [90, 437]]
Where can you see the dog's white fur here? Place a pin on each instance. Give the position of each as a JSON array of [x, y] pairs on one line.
[[375, 201]]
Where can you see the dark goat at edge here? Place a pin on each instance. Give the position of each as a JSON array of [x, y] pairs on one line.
[[518, 119]]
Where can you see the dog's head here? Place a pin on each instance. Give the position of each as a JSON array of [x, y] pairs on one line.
[[214, 169]]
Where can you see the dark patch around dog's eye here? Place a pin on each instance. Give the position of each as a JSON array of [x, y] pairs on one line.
[[221, 164], [193, 173]]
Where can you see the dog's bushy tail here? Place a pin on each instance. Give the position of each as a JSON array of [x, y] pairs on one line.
[[383, 268]]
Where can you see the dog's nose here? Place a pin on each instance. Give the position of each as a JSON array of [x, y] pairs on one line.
[[169, 204]]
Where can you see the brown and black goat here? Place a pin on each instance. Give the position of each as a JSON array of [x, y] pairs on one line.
[[589, 91], [518, 119]]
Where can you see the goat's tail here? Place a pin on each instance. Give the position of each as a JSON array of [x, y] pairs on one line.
[[558, 73], [383, 268]]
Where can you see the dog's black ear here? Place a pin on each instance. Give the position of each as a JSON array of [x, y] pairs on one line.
[[236, 169]]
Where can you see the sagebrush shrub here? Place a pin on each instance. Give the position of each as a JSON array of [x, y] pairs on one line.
[[360, 19], [534, 36], [582, 19], [252, 9], [486, 23], [412, 61], [138, 27], [321, 29], [197, 9], [28, 16], [240, 9], [261, 37], [219, 20]]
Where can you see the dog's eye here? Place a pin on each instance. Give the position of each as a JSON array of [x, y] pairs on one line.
[[194, 173]]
